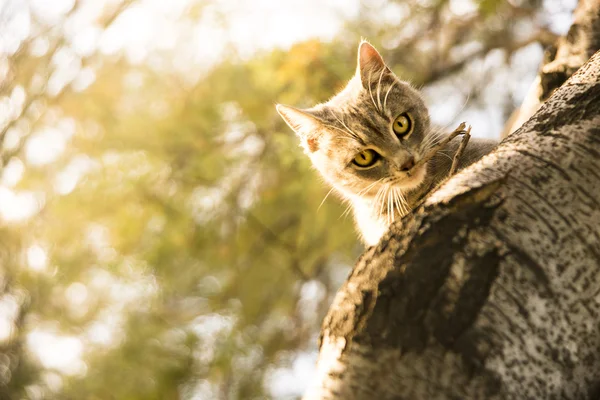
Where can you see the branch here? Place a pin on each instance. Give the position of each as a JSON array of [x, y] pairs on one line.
[[561, 60], [460, 130], [459, 152]]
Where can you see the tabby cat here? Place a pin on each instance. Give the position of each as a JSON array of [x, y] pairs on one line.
[[366, 139]]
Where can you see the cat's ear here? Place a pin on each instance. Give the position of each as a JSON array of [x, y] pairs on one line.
[[370, 64], [303, 123]]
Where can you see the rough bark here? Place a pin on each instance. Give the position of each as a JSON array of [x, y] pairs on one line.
[[490, 290]]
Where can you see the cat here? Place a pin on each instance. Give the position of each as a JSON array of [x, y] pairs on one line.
[[365, 140]]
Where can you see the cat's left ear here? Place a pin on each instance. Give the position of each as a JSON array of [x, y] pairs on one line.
[[303, 123], [370, 64]]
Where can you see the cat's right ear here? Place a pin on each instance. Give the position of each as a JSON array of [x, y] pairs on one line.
[[370, 64], [303, 123]]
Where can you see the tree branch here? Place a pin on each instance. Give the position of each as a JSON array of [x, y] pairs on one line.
[[561, 60]]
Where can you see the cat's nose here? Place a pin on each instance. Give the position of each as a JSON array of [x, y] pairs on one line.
[[408, 164]]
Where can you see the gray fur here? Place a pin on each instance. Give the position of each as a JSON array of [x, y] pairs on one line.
[[360, 117]]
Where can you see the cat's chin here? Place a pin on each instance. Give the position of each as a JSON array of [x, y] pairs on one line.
[[412, 182]]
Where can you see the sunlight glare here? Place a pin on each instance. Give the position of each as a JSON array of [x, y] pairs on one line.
[[53, 381], [62, 353], [462, 7], [44, 146], [19, 206], [12, 173], [6, 328], [9, 309], [69, 177], [15, 29], [288, 22], [102, 333], [50, 11], [37, 259], [76, 294]]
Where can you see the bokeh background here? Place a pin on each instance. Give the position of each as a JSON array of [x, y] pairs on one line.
[[162, 236]]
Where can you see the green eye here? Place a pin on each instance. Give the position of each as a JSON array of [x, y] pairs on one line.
[[402, 125], [366, 158]]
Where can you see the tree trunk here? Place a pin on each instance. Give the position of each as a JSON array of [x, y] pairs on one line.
[[489, 290]]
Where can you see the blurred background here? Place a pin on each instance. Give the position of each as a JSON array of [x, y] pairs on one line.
[[162, 236]]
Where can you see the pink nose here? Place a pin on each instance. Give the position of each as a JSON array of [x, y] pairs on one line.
[[408, 164]]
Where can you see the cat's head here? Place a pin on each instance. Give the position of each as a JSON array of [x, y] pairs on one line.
[[369, 135]]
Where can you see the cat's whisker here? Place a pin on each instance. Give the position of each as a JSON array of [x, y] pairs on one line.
[[336, 128], [371, 92], [437, 134], [431, 144], [345, 137], [393, 204], [346, 211], [324, 198], [445, 155], [379, 90], [457, 113], [398, 199], [432, 139], [383, 191], [387, 93], [400, 205], [365, 190], [349, 208], [461, 108], [377, 202], [393, 201], [346, 126], [397, 202], [405, 206], [388, 206], [425, 145]]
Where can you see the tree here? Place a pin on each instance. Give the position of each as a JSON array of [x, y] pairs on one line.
[[490, 288]]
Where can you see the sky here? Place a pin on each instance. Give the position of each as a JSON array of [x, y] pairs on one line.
[[156, 24]]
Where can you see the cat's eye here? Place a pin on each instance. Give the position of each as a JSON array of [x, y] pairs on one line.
[[402, 125], [366, 158]]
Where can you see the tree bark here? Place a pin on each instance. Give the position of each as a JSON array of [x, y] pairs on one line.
[[561, 60], [489, 290]]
